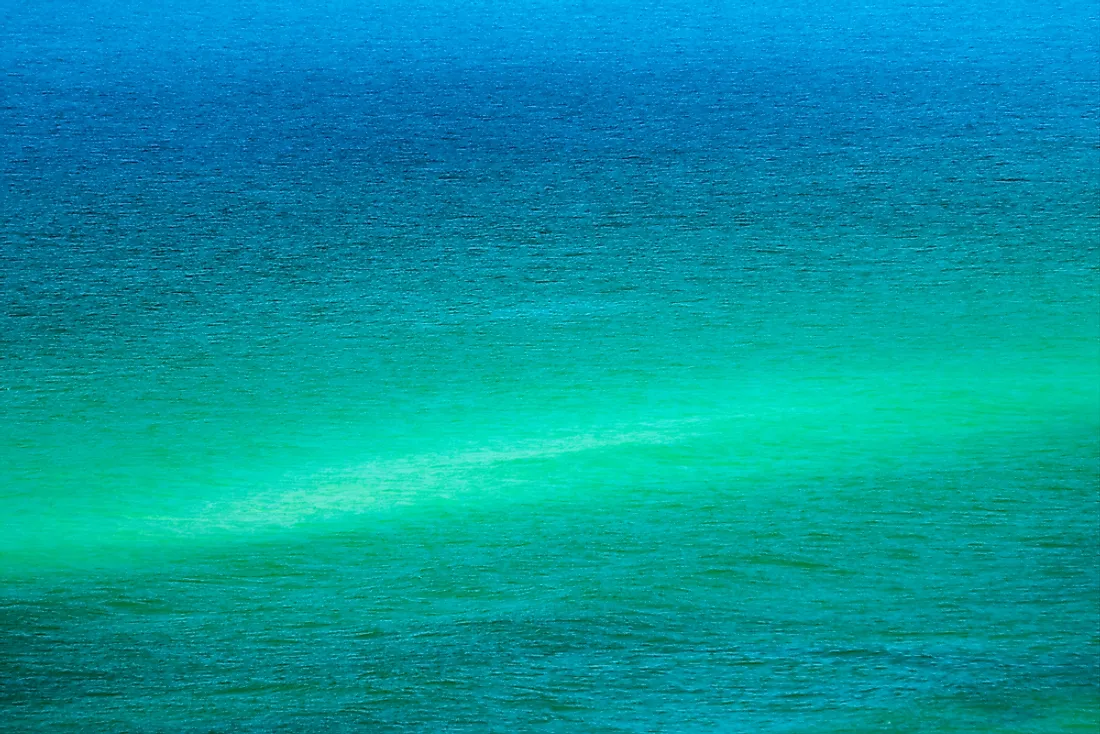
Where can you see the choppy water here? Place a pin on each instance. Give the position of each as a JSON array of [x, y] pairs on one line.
[[586, 366]]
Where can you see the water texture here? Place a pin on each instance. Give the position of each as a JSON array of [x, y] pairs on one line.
[[579, 366]]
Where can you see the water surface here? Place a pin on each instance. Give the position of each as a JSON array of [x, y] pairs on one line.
[[593, 366]]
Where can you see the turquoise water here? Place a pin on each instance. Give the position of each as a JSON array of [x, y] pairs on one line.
[[587, 366]]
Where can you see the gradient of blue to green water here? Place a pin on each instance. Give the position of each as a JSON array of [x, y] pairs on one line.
[[577, 366]]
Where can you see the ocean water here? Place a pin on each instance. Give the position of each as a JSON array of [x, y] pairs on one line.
[[587, 366]]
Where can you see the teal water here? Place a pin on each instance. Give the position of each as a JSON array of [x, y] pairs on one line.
[[588, 366]]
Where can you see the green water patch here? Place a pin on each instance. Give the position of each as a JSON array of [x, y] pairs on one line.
[[789, 430]]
